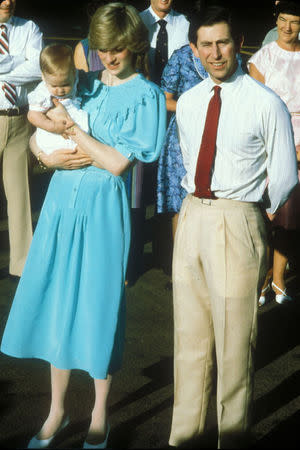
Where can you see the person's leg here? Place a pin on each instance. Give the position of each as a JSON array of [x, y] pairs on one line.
[[99, 423], [239, 271], [279, 268], [193, 331], [59, 384], [15, 179]]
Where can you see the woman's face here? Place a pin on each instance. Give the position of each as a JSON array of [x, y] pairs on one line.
[[118, 62], [288, 28]]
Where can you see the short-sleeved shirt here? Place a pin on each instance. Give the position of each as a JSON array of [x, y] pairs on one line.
[[281, 70]]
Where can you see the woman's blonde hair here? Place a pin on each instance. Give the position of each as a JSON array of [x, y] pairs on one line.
[[119, 26], [56, 58]]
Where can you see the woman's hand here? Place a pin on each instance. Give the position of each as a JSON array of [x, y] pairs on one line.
[[171, 101], [60, 117], [66, 159]]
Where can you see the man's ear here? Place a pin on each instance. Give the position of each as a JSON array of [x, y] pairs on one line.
[[194, 49]]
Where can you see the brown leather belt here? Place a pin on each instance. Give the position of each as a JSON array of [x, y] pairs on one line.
[[14, 111]]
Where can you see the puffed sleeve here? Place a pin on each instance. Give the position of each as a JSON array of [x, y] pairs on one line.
[[171, 74], [39, 99], [142, 133]]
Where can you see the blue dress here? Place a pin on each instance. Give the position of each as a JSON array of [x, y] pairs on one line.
[[182, 72], [69, 307]]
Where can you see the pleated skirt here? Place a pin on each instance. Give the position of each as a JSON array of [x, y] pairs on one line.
[[69, 307]]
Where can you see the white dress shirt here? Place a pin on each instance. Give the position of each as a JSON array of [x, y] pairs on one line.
[[21, 66], [177, 28], [255, 146]]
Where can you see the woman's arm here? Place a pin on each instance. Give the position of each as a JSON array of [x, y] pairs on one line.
[[171, 102], [103, 155], [255, 73], [79, 58], [60, 159]]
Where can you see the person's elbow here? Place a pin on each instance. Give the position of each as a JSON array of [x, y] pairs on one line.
[[119, 168]]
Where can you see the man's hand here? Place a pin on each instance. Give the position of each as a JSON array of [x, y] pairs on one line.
[[271, 217]]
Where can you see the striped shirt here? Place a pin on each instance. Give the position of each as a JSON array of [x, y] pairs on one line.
[[21, 66], [255, 152]]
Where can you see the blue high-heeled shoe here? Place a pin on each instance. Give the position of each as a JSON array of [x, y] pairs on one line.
[[44, 443], [102, 444]]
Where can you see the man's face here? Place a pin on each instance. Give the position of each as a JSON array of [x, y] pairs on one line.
[[7, 8], [217, 51], [161, 7]]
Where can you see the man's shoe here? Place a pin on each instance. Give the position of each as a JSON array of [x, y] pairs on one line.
[[14, 278]]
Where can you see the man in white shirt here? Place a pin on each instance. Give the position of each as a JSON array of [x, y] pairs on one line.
[[246, 164], [176, 26], [20, 46]]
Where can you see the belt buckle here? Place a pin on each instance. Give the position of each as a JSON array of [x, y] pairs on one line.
[[206, 201]]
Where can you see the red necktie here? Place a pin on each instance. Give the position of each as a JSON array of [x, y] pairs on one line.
[[9, 89], [208, 148]]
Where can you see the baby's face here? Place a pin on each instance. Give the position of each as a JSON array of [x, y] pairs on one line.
[[59, 84]]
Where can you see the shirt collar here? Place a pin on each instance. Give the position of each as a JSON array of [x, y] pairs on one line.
[[155, 18], [229, 84], [9, 23]]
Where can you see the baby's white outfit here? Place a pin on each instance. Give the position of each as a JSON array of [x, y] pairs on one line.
[[40, 100]]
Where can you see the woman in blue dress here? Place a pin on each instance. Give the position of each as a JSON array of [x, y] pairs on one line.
[[69, 308], [183, 71]]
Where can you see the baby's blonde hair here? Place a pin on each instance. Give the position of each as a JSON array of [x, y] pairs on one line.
[[119, 26], [57, 58]]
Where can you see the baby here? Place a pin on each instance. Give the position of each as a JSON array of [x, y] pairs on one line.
[[60, 80]]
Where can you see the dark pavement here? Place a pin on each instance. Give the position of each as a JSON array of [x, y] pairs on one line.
[[141, 397]]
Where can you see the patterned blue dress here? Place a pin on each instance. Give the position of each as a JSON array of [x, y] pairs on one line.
[[69, 307], [182, 72]]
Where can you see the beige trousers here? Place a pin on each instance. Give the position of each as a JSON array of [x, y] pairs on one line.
[[14, 137], [219, 265]]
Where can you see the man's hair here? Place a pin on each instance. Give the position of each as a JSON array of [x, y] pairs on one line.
[[202, 16], [119, 26], [56, 58], [292, 8]]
